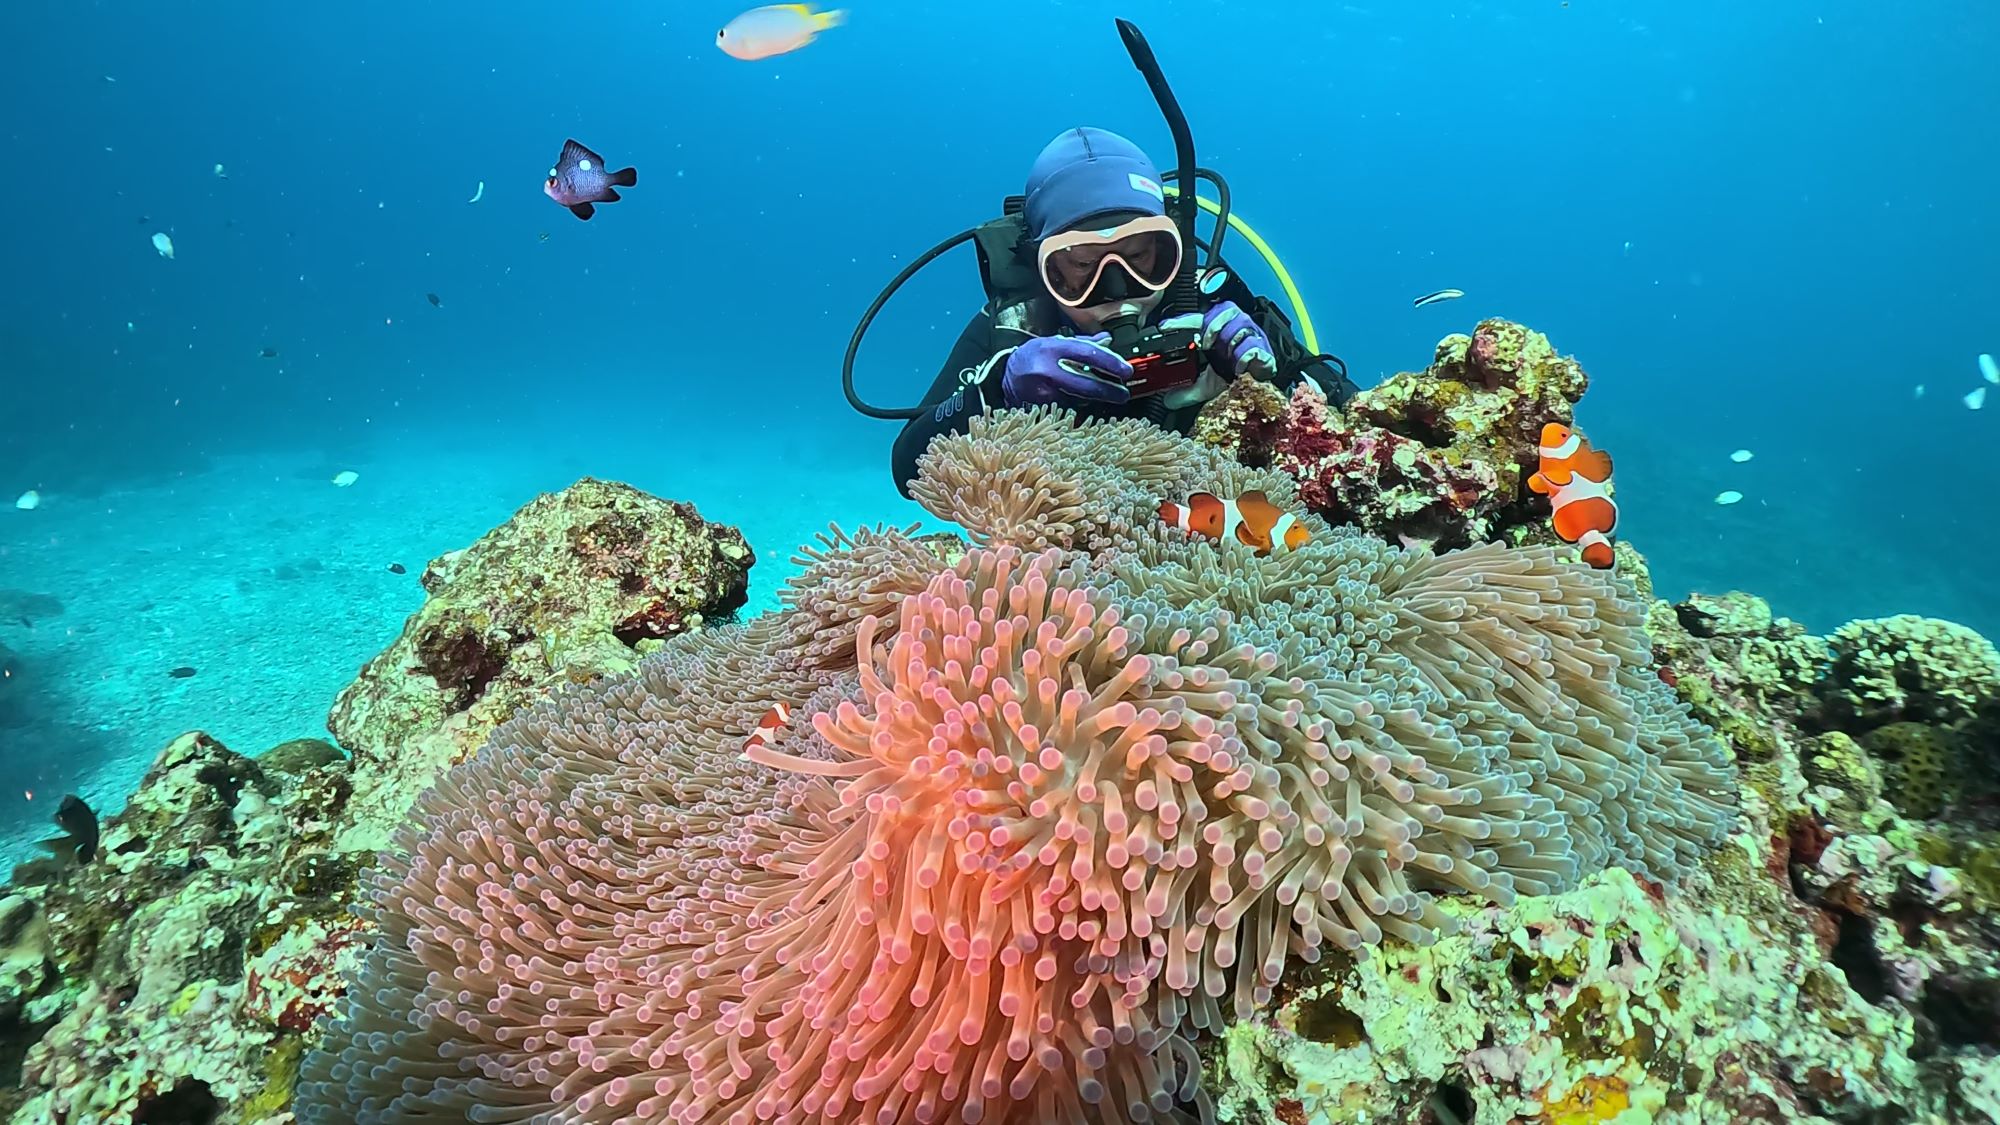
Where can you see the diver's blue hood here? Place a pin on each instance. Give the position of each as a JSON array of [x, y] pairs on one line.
[[1085, 173]]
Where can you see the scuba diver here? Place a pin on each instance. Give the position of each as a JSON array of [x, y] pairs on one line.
[[1103, 246], [1094, 301]]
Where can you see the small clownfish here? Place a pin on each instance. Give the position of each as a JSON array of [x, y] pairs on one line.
[[767, 728], [1576, 479], [1251, 518]]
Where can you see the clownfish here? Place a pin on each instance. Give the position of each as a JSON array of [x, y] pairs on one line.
[[1576, 479], [1251, 518], [767, 728]]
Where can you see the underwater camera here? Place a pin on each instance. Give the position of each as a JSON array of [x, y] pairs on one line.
[[1162, 359]]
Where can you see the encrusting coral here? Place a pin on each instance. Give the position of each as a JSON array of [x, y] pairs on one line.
[[1041, 817]]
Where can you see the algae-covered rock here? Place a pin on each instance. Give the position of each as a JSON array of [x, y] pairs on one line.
[[1782, 665], [1836, 963], [1243, 421], [1735, 614], [1525, 383], [1385, 482], [1576, 1007], [566, 590], [1836, 761], [299, 755], [27, 980], [1762, 655], [145, 1018], [1739, 666]]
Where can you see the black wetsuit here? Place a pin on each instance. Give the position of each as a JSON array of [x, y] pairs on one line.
[[950, 407]]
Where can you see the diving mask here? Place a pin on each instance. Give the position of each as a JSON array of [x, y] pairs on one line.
[[1129, 261]]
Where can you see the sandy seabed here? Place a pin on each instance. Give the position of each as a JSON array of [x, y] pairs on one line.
[[275, 586]]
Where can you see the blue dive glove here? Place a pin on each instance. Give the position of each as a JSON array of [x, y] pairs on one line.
[[1234, 343], [1061, 369]]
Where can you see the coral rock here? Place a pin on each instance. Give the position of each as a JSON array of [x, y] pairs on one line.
[[299, 755], [26, 974], [1714, 1003], [148, 1020], [1838, 762], [1244, 421], [1487, 395], [1382, 481], [1439, 456], [563, 592], [1734, 614], [1738, 665], [1907, 668]]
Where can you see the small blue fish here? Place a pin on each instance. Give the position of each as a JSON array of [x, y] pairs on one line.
[[579, 180]]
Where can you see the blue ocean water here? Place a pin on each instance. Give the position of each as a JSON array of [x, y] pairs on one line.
[[1758, 226]]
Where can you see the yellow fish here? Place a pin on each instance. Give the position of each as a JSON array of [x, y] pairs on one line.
[[774, 30]]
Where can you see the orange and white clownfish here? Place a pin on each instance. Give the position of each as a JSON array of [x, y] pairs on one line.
[[1251, 518], [767, 727], [1577, 479]]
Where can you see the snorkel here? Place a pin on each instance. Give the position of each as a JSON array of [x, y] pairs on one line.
[[1163, 360], [1182, 296]]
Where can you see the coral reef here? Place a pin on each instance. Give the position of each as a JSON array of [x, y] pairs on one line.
[[575, 585], [178, 975], [1906, 668], [1902, 708], [1738, 664], [1839, 961], [1046, 817], [1080, 820], [1611, 999], [1439, 456], [126, 980]]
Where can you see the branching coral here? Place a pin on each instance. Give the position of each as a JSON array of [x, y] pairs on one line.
[[1069, 802], [1907, 667]]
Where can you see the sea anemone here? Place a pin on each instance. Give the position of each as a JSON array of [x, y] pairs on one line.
[[1057, 809]]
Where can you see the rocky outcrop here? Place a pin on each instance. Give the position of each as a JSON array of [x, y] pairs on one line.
[[178, 974], [575, 585], [132, 977]]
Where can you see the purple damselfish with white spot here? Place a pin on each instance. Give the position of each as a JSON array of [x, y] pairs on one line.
[[579, 179]]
